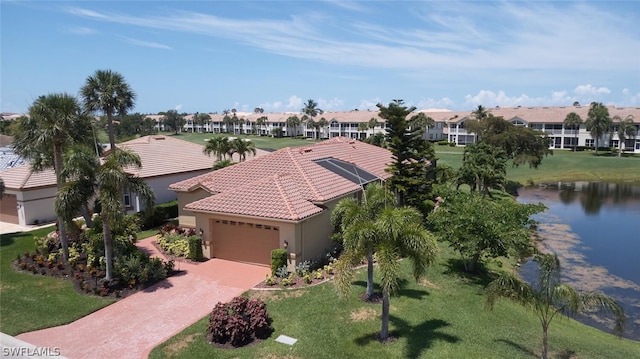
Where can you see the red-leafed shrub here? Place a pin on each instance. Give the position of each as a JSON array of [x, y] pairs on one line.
[[239, 322]]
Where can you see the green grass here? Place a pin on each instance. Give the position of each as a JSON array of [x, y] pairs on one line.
[[30, 302], [441, 318], [263, 142], [563, 165]]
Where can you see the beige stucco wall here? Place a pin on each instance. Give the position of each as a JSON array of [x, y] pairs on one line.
[[307, 240], [188, 218]]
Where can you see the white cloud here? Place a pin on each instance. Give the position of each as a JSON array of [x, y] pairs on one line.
[[430, 103], [81, 30], [540, 36], [489, 98], [179, 107], [334, 104], [271, 106], [590, 90], [369, 104], [151, 44], [295, 104]]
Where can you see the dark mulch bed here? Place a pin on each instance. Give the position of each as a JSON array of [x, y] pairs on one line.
[[297, 282], [375, 298], [86, 280]]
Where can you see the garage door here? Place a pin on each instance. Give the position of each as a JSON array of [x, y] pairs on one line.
[[244, 242], [9, 208]]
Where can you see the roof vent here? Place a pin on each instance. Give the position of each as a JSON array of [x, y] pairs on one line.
[[305, 150], [158, 138]]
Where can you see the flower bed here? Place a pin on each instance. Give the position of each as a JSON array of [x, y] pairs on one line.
[[91, 280], [301, 277], [180, 242]]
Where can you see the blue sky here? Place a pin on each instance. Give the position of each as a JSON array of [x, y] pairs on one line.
[[207, 56]]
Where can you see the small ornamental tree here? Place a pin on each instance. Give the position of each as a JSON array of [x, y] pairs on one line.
[[278, 259], [239, 322]]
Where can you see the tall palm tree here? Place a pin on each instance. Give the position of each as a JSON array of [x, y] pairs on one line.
[[242, 147], [105, 180], [293, 122], [626, 128], [201, 119], [480, 113], [573, 121], [354, 220], [262, 122], [598, 122], [395, 232], [322, 123], [55, 121], [548, 297], [421, 121], [311, 110], [108, 92]]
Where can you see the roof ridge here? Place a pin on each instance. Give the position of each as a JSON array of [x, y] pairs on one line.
[[283, 195], [304, 175]]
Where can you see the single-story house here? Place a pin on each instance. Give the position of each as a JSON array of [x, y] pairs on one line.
[[30, 196], [280, 200]]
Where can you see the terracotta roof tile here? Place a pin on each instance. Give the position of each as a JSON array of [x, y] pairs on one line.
[[242, 188]]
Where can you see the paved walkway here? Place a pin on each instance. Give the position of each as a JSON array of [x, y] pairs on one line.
[[132, 327]]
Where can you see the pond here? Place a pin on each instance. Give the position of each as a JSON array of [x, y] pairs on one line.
[[595, 230]]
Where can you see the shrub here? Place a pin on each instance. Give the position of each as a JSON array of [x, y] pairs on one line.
[[195, 248], [443, 143], [278, 259], [303, 268], [270, 280], [239, 322], [282, 272]]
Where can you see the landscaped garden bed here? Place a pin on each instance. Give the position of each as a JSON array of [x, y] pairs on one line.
[[85, 266], [179, 244]]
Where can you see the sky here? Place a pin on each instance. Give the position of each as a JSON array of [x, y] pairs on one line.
[[208, 56]]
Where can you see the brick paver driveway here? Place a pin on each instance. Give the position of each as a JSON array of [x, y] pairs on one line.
[[133, 326]]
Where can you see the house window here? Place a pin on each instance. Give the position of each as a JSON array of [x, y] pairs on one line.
[[588, 142], [127, 199]]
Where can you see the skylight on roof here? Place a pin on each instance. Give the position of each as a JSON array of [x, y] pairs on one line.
[[347, 170]]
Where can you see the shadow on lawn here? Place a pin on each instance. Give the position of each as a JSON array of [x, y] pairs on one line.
[[481, 276], [402, 290], [419, 337], [520, 347], [9, 238]]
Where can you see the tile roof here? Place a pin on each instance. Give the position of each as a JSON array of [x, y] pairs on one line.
[[160, 155], [552, 114], [21, 177], [163, 155], [301, 184]]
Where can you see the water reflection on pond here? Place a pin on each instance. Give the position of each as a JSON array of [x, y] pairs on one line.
[[595, 230]]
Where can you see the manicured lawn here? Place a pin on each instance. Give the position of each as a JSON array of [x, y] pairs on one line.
[[441, 317], [29, 302], [564, 165], [263, 142]]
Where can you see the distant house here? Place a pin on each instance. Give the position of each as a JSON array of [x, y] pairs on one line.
[[448, 125], [280, 200], [30, 196]]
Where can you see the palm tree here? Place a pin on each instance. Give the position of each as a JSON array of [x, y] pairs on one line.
[[354, 219], [107, 91], [598, 122], [573, 121], [480, 113], [373, 123], [111, 178], [220, 146], [548, 297], [260, 122], [626, 128], [311, 110], [55, 121], [421, 121], [242, 147], [201, 119], [322, 123], [293, 122], [395, 232]]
